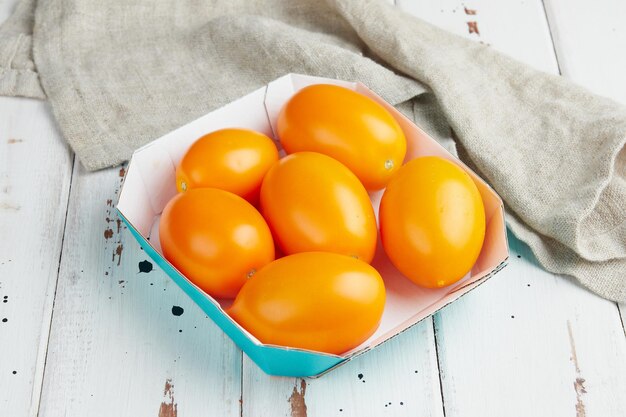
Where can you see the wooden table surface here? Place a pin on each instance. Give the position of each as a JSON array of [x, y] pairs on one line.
[[87, 325]]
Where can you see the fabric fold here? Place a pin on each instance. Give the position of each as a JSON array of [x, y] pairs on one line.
[[18, 77]]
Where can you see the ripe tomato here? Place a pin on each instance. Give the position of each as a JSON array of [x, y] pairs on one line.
[[346, 125], [215, 238], [233, 160], [432, 222], [316, 300], [314, 203]]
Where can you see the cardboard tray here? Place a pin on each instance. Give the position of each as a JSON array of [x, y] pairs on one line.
[[150, 184]]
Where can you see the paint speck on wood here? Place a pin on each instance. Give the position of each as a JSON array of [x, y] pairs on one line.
[[296, 400], [579, 382], [168, 407], [145, 266], [118, 252], [472, 27], [14, 141]]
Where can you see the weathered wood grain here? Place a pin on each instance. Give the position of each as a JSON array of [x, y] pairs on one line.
[[118, 343]]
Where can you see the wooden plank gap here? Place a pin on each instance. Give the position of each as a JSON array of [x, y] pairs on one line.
[[556, 55], [443, 402], [621, 311], [56, 284]]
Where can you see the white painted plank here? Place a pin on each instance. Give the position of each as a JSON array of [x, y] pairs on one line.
[[116, 348], [398, 378], [35, 171], [590, 40], [506, 349]]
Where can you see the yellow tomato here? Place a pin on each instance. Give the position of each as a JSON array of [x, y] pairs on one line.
[[317, 300], [346, 125], [215, 238], [432, 222], [233, 160], [314, 203]]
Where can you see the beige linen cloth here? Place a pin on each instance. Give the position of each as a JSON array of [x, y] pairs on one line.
[[121, 73]]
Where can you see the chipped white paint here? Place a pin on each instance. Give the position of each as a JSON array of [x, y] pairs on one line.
[[115, 348]]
